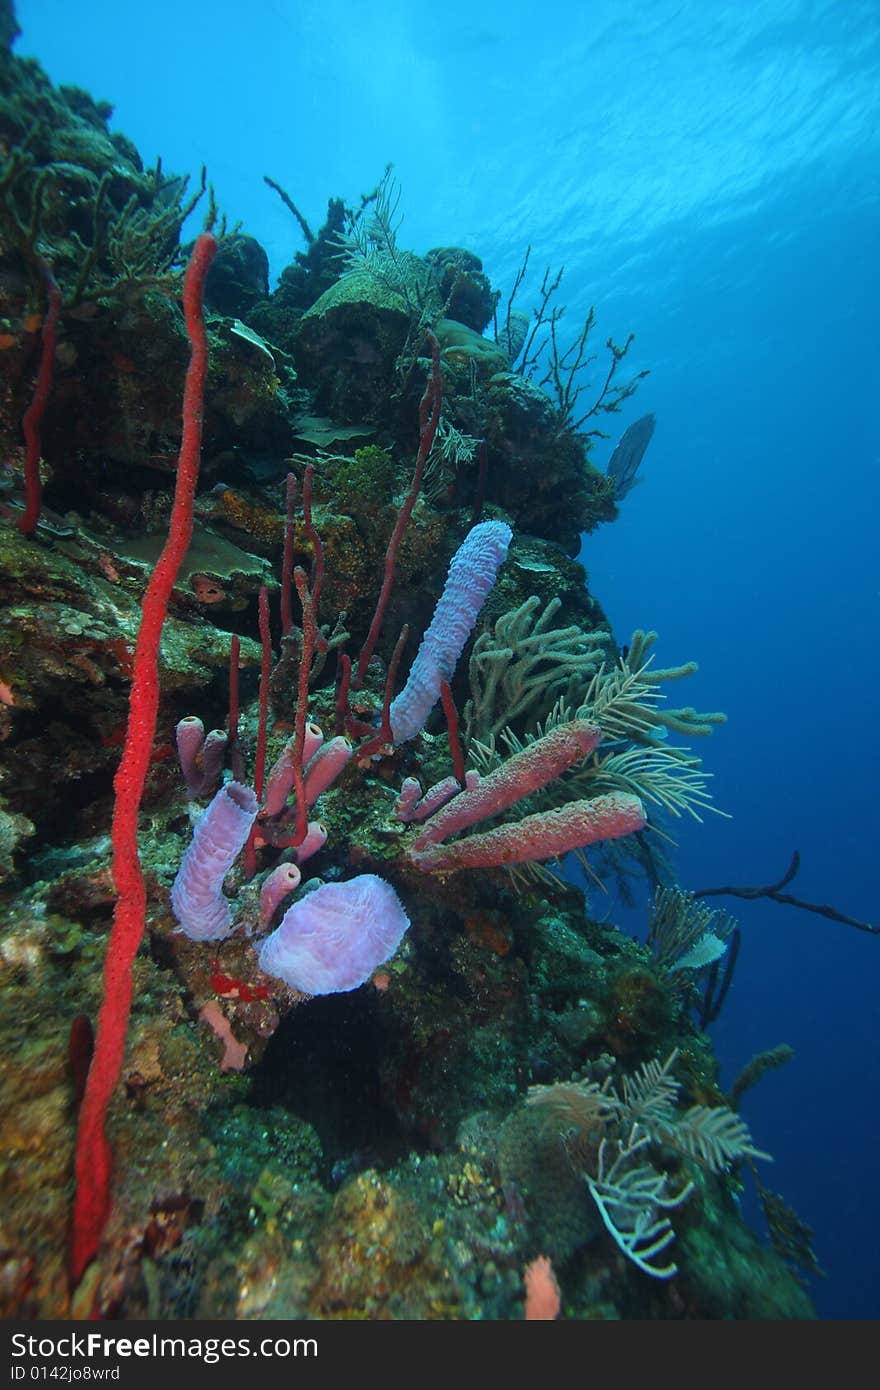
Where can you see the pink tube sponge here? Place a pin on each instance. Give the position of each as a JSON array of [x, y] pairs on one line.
[[281, 777], [541, 836], [520, 775], [332, 940], [283, 880], [316, 838], [325, 767]]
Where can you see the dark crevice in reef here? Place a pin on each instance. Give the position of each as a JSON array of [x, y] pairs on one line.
[[323, 1065]]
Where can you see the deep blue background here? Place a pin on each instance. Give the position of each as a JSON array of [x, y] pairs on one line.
[[707, 172]]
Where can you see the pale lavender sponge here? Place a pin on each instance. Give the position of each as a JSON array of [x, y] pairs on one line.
[[218, 838], [471, 576], [333, 939]]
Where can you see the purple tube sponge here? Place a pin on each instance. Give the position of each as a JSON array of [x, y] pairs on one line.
[[201, 758], [471, 575], [332, 940], [190, 738], [218, 838]]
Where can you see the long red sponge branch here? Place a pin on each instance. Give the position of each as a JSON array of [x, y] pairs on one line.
[[429, 419], [92, 1202], [27, 522]]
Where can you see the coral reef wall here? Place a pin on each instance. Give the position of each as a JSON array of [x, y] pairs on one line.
[[373, 1152]]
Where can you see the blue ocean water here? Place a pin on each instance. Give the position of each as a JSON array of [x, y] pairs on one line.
[[707, 173]]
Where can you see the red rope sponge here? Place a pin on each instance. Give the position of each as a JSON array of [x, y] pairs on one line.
[[92, 1202], [27, 522]]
